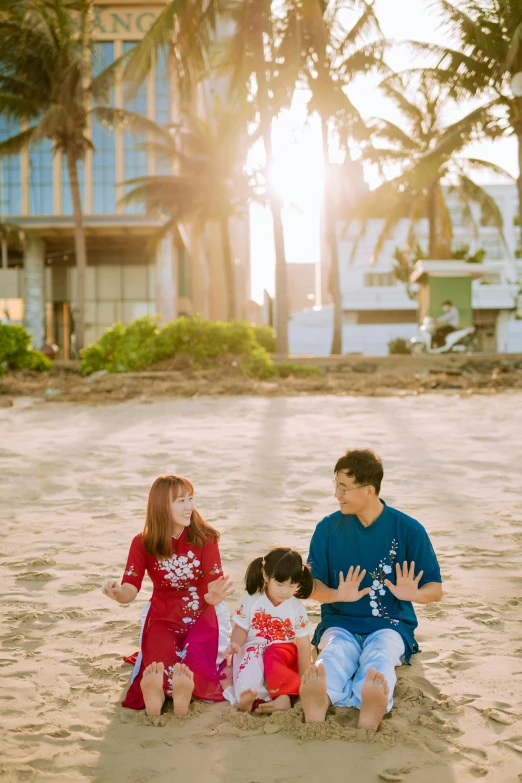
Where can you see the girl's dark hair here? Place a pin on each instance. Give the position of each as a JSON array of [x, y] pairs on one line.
[[281, 563]]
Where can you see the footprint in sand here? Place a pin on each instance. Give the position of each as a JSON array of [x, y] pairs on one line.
[[392, 775], [35, 576], [499, 717]]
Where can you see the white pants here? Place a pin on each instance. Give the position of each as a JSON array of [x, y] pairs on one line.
[[347, 658], [249, 672]]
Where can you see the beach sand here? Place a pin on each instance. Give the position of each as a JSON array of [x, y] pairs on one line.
[[74, 481]]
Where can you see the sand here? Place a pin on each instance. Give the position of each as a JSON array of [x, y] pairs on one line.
[[73, 485]]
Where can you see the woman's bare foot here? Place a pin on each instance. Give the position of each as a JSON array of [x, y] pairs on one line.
[[279, 704], [374, 700], [246, 699], [313, 694], [152, 688], [182, 687]]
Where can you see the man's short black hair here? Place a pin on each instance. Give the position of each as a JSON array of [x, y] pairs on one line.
[[364, 466], [448, 302]]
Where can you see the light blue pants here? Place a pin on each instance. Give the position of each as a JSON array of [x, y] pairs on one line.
[[348, 657]]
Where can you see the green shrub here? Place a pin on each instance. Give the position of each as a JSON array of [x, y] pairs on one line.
[[15, 351], [266, 337], [398, 345], [286, 369], [125, 348], [258, 364]]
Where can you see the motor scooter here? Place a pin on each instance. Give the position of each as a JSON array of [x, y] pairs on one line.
[[459, 341]]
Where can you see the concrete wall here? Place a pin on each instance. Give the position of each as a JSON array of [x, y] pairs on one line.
[[310, 332]]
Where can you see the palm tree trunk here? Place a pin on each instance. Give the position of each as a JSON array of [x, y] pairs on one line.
[[281, 285], [432, 222], [330, 224], [228, 263], [34, 296], [519, 184], [81, 254], [276, 205]]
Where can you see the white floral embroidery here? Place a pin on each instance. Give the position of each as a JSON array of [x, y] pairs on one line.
[[179, 570], [379, 588]]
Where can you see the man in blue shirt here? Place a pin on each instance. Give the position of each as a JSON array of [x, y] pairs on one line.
[[370, 563]]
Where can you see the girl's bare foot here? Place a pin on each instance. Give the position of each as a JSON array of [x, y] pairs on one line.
[[152, 688], [313, 694], [246, 699], [182, 687], [279, 704], [374, 700]]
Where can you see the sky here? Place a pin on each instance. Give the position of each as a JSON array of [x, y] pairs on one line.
[[298, 169]]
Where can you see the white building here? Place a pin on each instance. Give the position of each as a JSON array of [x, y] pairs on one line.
[[377, 308]]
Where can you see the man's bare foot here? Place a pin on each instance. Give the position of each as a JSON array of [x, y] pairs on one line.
[[152, 688], [182, 687], [313, 694], [374, 700], [246, 699], [279, 704]]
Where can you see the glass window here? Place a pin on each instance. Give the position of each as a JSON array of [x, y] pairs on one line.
[[162, 90], [104, 159], [163, 163], [41, 178], [10, 187], [380, 279], [67, 204], [135, 158]]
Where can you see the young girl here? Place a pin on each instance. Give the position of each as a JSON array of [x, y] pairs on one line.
[[270, 643], [181, 625]]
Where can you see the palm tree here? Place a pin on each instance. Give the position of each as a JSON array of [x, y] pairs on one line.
[[46, 53], [205, 184], [253, 63], [489, 34], [325, 54], [429, 154]]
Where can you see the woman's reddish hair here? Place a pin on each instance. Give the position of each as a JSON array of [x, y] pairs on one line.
[[157, 532]]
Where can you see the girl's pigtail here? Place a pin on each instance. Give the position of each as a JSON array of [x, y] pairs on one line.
[[254, 579], [306, 584]]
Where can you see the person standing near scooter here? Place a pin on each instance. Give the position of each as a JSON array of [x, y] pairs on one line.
[[447, 323]]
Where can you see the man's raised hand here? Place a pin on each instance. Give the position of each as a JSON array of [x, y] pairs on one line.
[[348, 590], [406, 587]]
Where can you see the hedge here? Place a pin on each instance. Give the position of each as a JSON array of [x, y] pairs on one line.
[[124, 348], [16, 353]]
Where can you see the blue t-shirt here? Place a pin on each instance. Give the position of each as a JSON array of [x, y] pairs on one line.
[[341, 541]]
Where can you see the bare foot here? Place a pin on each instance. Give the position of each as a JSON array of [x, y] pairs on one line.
[[152, 688], [246, 699], [313, 694], [279, 704], [374, 700], [182, 687]]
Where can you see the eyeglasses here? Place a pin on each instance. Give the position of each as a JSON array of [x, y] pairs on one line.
[[338, 488]]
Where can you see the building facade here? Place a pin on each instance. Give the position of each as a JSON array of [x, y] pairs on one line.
[[126, 265], [377, 307]]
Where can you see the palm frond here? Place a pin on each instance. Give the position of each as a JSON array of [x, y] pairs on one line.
[[487, 165], [488, 206], [131, 121], [15, 144]]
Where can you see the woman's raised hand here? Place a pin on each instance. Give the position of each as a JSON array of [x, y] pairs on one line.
[[348, 590], [112, 589], [219, 590]]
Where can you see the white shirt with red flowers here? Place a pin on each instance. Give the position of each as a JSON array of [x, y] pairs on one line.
[[283, 623]]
